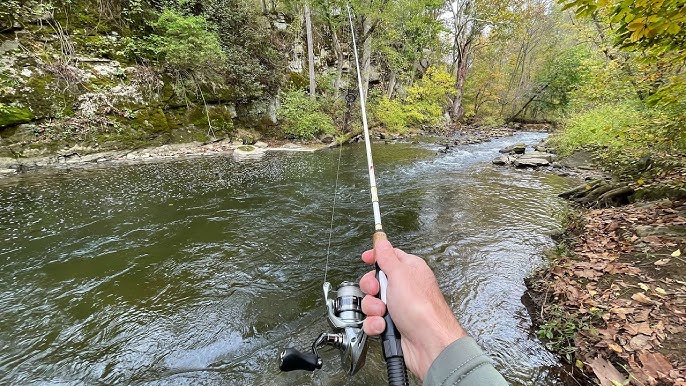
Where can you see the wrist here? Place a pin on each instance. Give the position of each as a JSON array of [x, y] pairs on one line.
[[442, 330]]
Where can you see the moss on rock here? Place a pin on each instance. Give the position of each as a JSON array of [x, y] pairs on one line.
[[12, 115]]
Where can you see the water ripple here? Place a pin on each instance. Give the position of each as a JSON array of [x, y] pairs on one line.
[[146, 274]]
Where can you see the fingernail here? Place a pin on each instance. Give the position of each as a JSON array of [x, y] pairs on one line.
[[379, 325]]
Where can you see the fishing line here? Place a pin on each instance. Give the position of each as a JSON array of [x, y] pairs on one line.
[[333, 210]]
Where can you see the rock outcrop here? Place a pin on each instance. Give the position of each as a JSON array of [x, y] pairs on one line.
[[516, 156]]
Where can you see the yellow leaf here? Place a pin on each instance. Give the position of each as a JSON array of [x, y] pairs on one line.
[[640, 181], [643, 286], [635, 25], [674, 28], [660, 291], [653, 18], [676, 253]]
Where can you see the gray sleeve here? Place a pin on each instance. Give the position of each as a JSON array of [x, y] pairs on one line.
[[463, 363]]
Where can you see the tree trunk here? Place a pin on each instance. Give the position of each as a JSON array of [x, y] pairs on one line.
[[528, 102], [391, 85], [339, 62], [310, 52], [366, 55], [457, 111]]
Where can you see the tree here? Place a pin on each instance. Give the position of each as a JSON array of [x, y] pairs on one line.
[[310, 52], [655, 30], [409, 40], [468, 20]]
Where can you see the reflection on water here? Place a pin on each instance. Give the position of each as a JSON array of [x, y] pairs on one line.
[[198, 271]]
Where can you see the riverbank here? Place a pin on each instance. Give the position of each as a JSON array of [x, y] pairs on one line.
[[80, 156], [612, 301]]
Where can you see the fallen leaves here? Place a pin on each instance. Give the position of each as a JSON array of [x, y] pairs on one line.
[[641, 298], [639, 342], [655, 365], [639, 328], [624, 281], [606, 372]]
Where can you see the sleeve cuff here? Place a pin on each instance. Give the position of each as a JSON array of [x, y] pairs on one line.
[[462, 361]]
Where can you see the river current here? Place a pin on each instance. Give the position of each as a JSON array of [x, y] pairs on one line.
[[199, 271]]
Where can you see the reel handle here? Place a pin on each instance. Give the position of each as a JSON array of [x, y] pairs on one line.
[[390, 337], [292, 359]]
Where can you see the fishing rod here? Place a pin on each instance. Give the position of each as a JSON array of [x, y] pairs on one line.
[[345, 311]]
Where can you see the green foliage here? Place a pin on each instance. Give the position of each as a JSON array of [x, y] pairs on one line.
[[422, 105], [302, 116], [623, 128], [559, 331], [395, 115], [253, 63], [559, 76], [659, 24], [655, 30], [21, 11], [184, 45], [607, 125], [410, 34]]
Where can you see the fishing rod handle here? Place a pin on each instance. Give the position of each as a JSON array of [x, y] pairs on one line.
[[390, 337]]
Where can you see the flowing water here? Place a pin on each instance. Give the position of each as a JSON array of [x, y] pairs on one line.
[[199, 271]]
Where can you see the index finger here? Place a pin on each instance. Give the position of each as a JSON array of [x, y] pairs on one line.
[[368, 257]]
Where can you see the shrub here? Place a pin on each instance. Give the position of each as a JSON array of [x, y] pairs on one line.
[[254, 64], [422, 105], [186, 43], [625, 127], [302, 117], [395, 115], [182, 45]]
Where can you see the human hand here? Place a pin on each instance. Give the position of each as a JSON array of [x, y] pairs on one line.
[[415, 303]]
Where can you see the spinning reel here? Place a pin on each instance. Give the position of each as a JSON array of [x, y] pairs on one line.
[[345, 316]]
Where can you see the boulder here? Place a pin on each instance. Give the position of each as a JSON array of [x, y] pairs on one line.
[[530, 162], [326, 138], [518, 148], [579, 160], [502, 160], [537, 154]]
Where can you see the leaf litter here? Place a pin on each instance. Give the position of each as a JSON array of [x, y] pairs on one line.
[[623, 283]]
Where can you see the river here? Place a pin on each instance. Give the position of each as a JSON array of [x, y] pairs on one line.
[[149, 273]]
